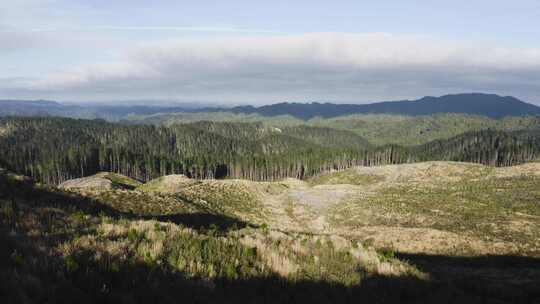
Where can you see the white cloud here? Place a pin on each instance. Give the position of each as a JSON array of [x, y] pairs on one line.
[[316, 66]]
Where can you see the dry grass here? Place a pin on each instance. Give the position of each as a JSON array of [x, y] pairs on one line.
[[432, 207], [101, 181], [340, 233]]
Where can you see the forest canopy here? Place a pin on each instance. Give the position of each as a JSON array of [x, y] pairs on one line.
[[53, 150]]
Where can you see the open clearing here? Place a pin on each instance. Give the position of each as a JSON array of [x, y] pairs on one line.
[[435, 207], [455, 224]]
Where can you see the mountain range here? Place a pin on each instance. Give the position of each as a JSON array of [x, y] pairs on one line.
[[490, 105]]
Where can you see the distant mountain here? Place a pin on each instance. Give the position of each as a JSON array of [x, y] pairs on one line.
[[89, 111], [490, 105], [29, 107]]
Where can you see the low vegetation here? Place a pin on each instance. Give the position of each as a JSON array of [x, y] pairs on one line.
[[349, 176], [428, 232], [59, 246]]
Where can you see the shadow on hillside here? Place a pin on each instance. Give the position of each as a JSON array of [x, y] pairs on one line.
[[48, 279], [144, 283], [204, 221], [15, 190], [149, 283], [502, 276], [485, 262]]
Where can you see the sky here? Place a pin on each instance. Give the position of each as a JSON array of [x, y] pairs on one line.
[[259, 52]]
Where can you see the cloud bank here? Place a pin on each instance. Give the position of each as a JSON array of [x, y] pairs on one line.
[[258, 69]]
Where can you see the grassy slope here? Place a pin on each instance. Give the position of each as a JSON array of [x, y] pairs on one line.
[[198, 240], [349, 176], [122, 181], [494, 209], [62, 246], [465, 199]]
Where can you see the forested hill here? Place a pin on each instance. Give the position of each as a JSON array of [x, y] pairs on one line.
[[56, 149], [489, 105]]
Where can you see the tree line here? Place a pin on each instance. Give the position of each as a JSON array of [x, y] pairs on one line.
[[53, 150]]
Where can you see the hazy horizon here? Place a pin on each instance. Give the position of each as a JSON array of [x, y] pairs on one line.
[[217, 104]]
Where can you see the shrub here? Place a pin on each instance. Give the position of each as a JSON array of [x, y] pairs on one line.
[[386, 254], [134, 236], [71, 264], [251, 252]]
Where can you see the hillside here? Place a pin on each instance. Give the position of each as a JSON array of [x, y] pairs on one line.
[[101, 180], [435, 232], [383, 129], [410, 198], [377, 129], [53, 150], [489, 105]]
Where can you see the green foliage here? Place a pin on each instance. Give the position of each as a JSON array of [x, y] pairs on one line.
[[79, 219], [71, 264], [251, 252], [384, 129], [323, 262], [264, 228], [378, 129], [121, 181], [134, 236], [203, 255], [349, 176], [495, 148], [53, 150], [386, 254], [180, 117], [367, 243]]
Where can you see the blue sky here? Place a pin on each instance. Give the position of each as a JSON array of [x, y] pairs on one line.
[[258, 52]]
